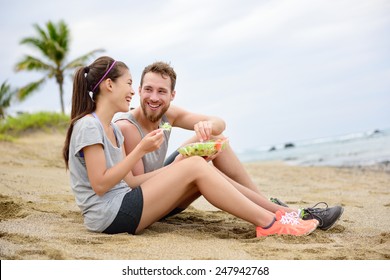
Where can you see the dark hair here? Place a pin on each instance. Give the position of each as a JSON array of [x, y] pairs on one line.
[[85, 79], [161, 68]]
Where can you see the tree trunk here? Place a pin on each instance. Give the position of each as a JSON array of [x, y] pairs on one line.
[[60, 84]]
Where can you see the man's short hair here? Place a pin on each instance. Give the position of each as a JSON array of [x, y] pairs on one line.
[[162, 68]]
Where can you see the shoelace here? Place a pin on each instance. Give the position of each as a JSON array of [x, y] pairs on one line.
[[314, 209], [291, 218]]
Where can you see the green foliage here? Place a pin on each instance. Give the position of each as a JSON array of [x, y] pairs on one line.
[[25, 91], [6, 95], [43, 121]]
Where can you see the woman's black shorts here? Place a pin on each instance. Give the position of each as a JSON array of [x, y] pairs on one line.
[[129, 214]]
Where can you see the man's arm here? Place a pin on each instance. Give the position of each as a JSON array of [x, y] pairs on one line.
[[203, 125]]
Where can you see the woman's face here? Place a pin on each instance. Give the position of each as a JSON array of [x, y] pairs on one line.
[[123, 90]]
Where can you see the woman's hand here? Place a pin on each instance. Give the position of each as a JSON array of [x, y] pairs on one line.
[[152, 141]]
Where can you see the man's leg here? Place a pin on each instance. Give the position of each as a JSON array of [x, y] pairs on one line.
[[229, 164]]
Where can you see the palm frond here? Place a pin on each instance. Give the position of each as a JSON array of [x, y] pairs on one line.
[[6, 95], [5, 87], [63, 35], [82, 59], [26, 91], [42, 34], [35, 43], [60, 38], [30, 63]]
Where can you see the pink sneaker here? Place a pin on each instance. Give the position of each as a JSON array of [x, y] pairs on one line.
[[288, 224]]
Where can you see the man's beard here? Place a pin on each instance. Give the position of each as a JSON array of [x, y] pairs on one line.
[[154, 117]]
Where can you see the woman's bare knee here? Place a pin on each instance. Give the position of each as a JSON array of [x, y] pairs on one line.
[[195, 163]]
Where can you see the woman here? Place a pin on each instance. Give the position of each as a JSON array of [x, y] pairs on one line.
[[111, 199]]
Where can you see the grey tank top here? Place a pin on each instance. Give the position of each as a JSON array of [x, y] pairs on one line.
[[153, 160]]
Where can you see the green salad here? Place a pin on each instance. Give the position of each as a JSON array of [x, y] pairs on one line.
[[203, 149], [166, 126]]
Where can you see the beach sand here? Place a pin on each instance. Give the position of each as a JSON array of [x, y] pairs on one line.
[[40, 220]]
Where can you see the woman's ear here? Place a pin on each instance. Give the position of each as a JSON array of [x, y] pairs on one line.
[[108, 84]]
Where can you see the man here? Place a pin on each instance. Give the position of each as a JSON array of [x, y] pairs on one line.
[[157, 90]]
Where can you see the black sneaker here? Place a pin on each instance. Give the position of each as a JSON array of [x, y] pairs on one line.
[[327, 217], [278, 201]]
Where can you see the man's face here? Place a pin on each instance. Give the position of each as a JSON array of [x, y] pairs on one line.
[[155, 96]]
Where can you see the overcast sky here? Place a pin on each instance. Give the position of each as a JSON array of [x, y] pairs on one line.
[[276, 71]]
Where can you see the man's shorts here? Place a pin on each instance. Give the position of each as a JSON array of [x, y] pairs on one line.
[[171, 158]]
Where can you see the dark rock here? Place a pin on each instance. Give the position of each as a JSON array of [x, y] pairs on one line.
[[289, 145]]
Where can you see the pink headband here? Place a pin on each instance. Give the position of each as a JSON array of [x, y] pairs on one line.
[[105, 74]]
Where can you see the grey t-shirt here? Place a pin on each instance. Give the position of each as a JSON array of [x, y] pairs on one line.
[[98, 211], [153, 160]]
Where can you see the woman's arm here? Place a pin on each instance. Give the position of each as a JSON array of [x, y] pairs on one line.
[[135, 181], [132, 138], [102, 179]]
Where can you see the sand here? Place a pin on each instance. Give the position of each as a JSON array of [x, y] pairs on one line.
[[40, 220]]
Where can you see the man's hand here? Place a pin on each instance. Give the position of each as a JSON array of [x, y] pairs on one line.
[[203, 130], [219, 149]]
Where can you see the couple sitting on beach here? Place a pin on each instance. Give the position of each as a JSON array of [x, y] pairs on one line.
[[116, 159]]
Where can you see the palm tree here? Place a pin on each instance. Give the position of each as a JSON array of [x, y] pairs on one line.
[[6, 95], [53, 44]]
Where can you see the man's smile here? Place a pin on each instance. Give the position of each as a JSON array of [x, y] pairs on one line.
[[153, 106]]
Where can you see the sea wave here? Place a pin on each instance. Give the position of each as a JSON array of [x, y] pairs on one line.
[[353, 149]]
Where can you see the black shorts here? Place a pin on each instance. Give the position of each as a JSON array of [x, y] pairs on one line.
[[171, 158], [129, 214]]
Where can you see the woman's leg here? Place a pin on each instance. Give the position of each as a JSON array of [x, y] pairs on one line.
[[167, 190]]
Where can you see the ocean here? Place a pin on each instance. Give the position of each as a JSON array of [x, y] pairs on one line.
[[366, 148]]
